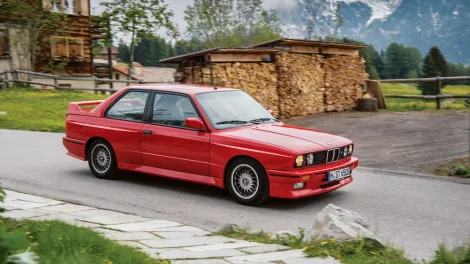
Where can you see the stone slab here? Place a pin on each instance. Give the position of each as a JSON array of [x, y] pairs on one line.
[[11, 196], [65, 218], [25, 204], [180, 229], [222, 246], [94, 213], [19, 214], [67, 208], [272, 256], [144, 226], [263, 248], [116, 219], [186, 242], [134, 236], [175, 235], [178, 253]]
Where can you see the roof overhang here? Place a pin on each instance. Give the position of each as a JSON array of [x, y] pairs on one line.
[[314, 43], [180, 58]]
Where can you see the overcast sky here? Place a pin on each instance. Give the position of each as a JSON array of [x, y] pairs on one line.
[[178, 7]]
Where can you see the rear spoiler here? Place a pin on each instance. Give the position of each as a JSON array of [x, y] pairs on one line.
[[78, 107]]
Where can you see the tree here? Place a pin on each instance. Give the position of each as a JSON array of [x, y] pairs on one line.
[[400, 60], [319, 22], [434, 65], [137, 18], [123, 52], [230, 23], [151, 49], [31, 24]]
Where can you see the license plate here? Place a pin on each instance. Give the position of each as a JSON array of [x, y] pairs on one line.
[[339, 174]]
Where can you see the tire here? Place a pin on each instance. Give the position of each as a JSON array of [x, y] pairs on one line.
[[102, 160], [247, 182]]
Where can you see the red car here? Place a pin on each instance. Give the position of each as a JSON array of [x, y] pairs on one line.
[[209, 135]]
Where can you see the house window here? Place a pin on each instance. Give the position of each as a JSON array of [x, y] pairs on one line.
[[117, 76], [66, 6], [4, 43], [64, 47]]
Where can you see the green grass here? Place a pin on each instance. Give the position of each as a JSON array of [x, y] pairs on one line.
[[38, 110], [57, 243], [458, 168], [405, 104]]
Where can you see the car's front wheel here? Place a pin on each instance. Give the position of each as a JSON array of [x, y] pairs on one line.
[[247, 182], [102, 160]]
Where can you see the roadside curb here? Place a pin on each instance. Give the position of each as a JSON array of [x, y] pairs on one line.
[[179, 243], [418, 175]]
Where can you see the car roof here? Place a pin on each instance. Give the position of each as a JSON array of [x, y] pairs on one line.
[[182, 88]]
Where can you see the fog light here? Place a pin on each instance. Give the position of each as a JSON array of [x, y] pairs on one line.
[[299, 185], [306, 178]]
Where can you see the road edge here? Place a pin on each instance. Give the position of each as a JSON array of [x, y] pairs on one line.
[[418, 175]]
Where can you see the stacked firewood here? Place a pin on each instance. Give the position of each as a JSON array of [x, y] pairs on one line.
[[300, 84], [344, 80], [257, 79]]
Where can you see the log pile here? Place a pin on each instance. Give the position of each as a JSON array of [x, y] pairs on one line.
[[257, 79], [344, 80], [300, 84]]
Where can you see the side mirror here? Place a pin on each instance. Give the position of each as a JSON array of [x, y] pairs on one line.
[[195, 123]]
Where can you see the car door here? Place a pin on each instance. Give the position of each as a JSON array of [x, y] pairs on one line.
[[167, 143], [123, 126]]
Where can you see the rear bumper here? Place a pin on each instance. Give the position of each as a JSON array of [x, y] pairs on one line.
[[281, 183], [75, 148]]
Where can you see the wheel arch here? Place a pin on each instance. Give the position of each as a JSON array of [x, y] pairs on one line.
[[91, 140], [233, 159]]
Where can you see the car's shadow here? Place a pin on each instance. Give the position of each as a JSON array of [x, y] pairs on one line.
[[211, 192]]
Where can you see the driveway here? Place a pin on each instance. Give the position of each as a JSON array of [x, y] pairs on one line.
[[413, 213], [403, 141]]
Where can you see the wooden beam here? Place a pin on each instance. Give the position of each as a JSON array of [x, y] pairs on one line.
[[227, 57], [339, 51], [305, 49]]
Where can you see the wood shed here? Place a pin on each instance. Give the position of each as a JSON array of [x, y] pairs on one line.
[[291, 77]]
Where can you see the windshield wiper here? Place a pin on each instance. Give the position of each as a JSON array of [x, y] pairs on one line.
[[231, 122], [264, 119]]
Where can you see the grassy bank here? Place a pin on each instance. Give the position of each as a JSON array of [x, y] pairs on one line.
[[36, 110], [57, 243], [457, 168], [404, 104], [348, 252]]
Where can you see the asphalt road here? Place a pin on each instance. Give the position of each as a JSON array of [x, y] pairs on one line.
[[409, 212]]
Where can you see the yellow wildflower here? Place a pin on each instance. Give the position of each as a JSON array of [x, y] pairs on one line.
[[323, 243], [60, 238], [333, 240], [30, 237], [373, 253], [305, 248], [40, 230], [269, 235]]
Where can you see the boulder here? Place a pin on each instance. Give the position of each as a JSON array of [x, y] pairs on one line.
[[340, 224]]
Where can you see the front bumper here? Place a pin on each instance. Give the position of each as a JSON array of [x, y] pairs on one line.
[[281, 183]]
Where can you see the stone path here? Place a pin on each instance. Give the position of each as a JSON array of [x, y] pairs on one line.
[[179, 243]]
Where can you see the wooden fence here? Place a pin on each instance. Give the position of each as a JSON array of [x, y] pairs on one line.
[[21, 78], [438, 96]]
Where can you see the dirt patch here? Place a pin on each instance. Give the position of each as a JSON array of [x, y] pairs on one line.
[[403, 141]]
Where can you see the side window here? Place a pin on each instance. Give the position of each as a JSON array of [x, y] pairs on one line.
[[172, 110], [129, 107]]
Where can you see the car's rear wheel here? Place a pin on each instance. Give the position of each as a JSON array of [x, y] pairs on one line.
[[102, 160], [247, 182]]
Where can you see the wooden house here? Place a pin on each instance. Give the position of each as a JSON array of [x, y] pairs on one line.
[[73, 46]]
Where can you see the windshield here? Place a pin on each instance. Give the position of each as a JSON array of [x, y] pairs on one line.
[[233, 108]]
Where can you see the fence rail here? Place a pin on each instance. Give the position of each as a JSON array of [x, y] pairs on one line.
[[438, 96], [13, 78]]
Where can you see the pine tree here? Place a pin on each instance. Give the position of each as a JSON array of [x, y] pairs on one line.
[[434, 65]]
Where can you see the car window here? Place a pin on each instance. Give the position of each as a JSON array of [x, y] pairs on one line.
[[172, 110], [129, 107]]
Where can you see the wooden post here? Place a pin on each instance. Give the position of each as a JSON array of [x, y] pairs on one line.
[[5, 78], [210, 67], [55, 82], [14, 76], [439, 87]]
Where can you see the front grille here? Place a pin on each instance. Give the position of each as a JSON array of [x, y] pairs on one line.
[[320, 157], [328, 156]]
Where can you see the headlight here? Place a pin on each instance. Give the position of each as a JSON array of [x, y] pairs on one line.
[[350, 149], [345, 152], [310, 159], [299, 161]]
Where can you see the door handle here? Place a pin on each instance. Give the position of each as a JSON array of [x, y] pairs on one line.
[[147, 131]]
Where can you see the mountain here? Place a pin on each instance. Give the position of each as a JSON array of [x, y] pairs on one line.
[[419, 23]]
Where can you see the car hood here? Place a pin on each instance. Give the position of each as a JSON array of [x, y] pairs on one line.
[[297, 139]]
